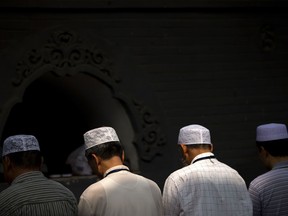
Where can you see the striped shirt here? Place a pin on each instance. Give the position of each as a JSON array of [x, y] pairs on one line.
[[269, 192], [32, 194], [206, 187]]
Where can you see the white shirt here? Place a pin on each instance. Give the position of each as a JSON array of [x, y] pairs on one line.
[[121, 193], [206, 187]]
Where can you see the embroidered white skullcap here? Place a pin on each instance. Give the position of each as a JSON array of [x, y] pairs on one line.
[[20, 143], [99, 136], [194, 134], [271, 131]]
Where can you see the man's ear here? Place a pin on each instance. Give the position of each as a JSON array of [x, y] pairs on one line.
[[123, 156], [7, 162], [42, 160], [263, 151], [212, 148], [96, 159], [184, 148]]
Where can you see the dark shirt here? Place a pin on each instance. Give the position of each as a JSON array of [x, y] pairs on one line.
[[33, 194]]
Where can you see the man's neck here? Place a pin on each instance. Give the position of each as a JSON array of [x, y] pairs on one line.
[[275, 160], [114, 161], [19, 171]]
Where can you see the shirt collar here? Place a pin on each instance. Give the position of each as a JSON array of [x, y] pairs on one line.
[[116, 168], [206, 154], [280, 165], [24, 176]]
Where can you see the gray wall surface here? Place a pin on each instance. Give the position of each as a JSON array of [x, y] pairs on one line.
[[223, 67]]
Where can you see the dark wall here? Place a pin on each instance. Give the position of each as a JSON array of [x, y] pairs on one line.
[[223, 67]]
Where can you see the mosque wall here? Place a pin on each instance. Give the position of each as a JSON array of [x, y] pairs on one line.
[[222, 66]]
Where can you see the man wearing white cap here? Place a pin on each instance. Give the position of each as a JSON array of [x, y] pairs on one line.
[[119, 192], [30, 193], [206, 186], [269, 191]]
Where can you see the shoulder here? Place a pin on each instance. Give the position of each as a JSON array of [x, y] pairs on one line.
[[262, 180], [95, 188], [141, 178], [181, 174], [268, 181], [12, 191], [93, 198], [57, 187], [56, 184], [148, 187], [9, 199], [8, 192]]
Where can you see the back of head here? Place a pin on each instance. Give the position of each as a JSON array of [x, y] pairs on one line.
[[194, 135], [273, 137], [103, 142], [23, 151]]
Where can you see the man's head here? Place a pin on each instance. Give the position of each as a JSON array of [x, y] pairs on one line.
[[21, 153], [194, 139], [103, 149], [272, 141]]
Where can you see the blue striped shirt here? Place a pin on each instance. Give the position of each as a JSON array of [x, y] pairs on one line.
[[269, 192], [33, 194]]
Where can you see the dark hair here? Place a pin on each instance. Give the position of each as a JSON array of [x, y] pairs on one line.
[[27, 159], [105, 150], [276, 148], [199, 146]]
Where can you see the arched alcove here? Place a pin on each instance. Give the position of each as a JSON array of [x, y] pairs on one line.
[[65, 87], [59, 110]]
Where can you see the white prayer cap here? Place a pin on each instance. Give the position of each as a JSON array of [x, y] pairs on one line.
[[194, 134], [99, 136], [20, 143], [271, 131]]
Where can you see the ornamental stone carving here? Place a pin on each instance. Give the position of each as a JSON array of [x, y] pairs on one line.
[[65, 54]]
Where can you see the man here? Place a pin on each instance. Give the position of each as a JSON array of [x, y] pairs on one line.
[[119, 192], [206, 186], [30, 193], [269, 191]]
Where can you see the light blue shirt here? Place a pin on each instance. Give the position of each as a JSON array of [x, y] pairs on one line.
[[269, 192]]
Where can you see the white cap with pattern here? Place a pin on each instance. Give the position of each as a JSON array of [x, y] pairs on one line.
[[99, 136], [271, 131], [194, 134], [20, 143]]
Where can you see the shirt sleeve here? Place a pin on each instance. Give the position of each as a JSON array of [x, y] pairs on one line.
[[171, 198]]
